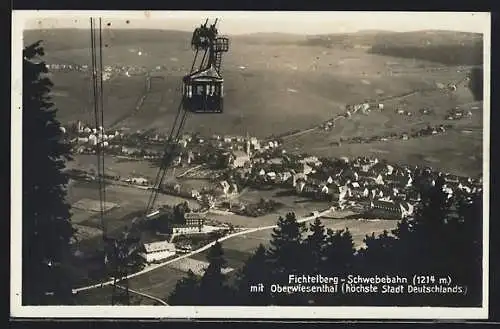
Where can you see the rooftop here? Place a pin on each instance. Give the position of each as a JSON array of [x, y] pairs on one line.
[[158, 246]]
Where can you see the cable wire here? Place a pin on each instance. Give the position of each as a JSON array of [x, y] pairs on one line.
[[171, 144]]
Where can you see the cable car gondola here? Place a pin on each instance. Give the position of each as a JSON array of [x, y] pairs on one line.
[[203, 90]]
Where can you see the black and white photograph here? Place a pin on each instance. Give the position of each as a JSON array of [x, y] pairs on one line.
[[272, 164]]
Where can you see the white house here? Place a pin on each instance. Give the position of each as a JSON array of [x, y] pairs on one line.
[[137, 180], [240, 159], [195, 194], [271, 175], [83, 140], [324, 189], [225, 186], [156, 251], [406, 209], [343, 192], [285, 176], [307, 169], [379, 180]]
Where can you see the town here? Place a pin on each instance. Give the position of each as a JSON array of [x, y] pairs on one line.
[[369, 187]]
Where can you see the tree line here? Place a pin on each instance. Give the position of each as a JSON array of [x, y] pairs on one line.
[[444, 54], [443, 239]]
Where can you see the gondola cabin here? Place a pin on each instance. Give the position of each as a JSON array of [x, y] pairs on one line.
[[203, 91]]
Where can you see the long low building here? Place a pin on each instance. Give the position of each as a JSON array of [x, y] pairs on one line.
[[156, 251], [390, 209]]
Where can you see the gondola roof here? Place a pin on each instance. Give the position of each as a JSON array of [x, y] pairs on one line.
[[209, 74]]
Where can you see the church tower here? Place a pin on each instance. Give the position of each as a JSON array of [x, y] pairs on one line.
[[248, 144]]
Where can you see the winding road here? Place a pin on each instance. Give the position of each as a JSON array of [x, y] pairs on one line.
[[197, 251]]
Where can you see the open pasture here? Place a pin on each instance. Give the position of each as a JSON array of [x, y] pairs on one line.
[[125, 168], [238, 249], [265, 83], [453, 151], [131, 202], [159, 283], [93, 205], [197, 266], [115, 166], [458, 152]]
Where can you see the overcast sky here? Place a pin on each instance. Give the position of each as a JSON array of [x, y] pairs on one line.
[[251, 22]]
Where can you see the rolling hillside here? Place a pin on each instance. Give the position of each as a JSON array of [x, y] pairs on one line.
[[274, 83]]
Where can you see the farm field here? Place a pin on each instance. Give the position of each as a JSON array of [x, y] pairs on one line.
[[125, 168], [130, 203], [458, 150], [114, 166]]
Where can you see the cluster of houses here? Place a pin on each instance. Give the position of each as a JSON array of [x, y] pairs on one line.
[[108, 70], [363, 108], [86, 138], [362, 181], [252, 162], [351, 109], [67, 67], [427, 131], [457, 114], [159, 250]]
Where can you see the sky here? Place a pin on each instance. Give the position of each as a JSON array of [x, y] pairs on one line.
[[232, 22]]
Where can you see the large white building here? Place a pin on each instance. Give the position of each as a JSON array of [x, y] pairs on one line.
[[156, 251], [239, 159]]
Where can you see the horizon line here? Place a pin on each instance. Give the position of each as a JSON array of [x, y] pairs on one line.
[[265, 32]]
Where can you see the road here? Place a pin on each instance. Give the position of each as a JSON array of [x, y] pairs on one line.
[[197, 251], [382, 99], [189, 170]]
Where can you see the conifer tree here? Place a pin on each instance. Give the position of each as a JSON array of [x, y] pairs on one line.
[[339, 251], [213, 284], [186, 291], [286, 249], [315, 244], [286, 256], [46, 225], [256, 271]]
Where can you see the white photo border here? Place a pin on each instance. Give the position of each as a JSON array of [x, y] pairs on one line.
[[19, 19]]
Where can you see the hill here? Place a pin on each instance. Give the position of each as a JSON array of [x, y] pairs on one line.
[[446, 47], [67, 39], [271, 87]]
